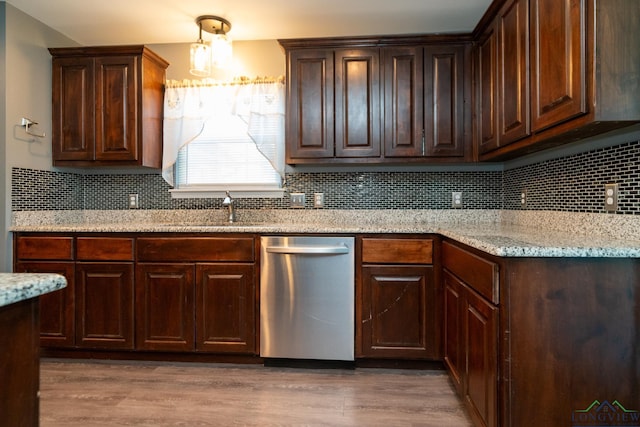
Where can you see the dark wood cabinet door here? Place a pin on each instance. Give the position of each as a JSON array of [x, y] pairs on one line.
[[444, 113], [513, 72], [453, 345], [310, 115], [116, 108], [558, 60], [480, 326], [487, 91], [226, 310], [164, 315], [398, 313], [357, 103], [57, 322], [73, 123], [104, 305], [403, 101]]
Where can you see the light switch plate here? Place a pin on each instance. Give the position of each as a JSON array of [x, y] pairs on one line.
[[297, 200]]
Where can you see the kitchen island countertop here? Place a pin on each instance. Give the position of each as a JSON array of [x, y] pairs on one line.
[[16, 287]]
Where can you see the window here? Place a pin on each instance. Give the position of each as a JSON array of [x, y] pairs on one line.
[[234, 140]]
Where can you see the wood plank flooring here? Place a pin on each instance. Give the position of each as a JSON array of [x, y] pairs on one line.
[[115, 393]]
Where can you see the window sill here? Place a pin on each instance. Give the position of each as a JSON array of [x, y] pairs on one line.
[[219, 192]]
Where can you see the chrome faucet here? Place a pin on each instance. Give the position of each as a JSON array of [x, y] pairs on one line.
[[228, 202]]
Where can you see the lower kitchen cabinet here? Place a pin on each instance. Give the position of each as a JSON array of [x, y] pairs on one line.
[[226, 308], [104, 301], [51, 254], [397, 310], [165, 307], [146, 292], [470, 331], [206, 305], [104, 305]]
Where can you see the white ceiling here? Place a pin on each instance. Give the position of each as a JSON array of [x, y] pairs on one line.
[[107, 22]]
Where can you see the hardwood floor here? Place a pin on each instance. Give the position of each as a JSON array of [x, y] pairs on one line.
[[114, 393]]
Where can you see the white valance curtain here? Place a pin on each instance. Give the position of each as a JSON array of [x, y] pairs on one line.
[[190, 104]]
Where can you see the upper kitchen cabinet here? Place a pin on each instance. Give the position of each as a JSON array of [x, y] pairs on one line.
[[561, 71], [424, 104], [333, 105], [377, 100], [502, 78], [107, 106]]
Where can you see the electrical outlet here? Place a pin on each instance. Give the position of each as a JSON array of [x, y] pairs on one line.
[[134, 201], [297, 200], [611, 197], [318, 200], [523, 198], [456, 199]]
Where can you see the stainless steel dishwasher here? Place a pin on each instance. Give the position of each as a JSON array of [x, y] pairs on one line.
[[307, 298]]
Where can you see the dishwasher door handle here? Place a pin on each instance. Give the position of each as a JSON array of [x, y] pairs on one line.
[[329, 250]]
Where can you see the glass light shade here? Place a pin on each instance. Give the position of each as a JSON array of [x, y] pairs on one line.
[[221, 51], [200, 64]]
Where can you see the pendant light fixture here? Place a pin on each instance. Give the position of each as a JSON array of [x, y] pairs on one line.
[[218, 53]]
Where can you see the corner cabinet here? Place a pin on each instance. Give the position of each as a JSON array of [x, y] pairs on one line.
[[107, 106], [549, 72], [377, 100], [397, 311]]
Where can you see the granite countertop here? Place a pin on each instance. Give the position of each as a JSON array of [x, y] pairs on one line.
[[497, 233], [16, 287]]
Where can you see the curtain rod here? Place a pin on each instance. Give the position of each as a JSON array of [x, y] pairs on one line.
[[212, 82]]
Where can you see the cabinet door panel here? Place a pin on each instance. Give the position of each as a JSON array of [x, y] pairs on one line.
[[73, 108], [165, 307], [116, 108], [310, 118], [481, 322], [226, 311], [487, 110], [403, 101], [453, 348], [104, 305], [513, 88], [444, 101], [558, 61], [57, 325], [398, 312], [357, 103]]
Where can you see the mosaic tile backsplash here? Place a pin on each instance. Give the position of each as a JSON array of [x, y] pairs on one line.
[[573, 184]]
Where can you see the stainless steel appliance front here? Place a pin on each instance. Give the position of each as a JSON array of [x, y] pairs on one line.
[[307, 297]]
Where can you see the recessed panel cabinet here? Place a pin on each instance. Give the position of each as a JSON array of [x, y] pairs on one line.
[[424, 108], [551, 72], [393, 101], [398, 310], [471, 329], [208, 304], [144, 293], [107, 106], [503, 78]]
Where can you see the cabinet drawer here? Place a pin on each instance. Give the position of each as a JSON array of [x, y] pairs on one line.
[[41, 247], [477, 272], [104, 249], [195, 249], [397, 251]]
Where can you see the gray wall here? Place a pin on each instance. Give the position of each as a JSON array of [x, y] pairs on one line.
[[26, 87]]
